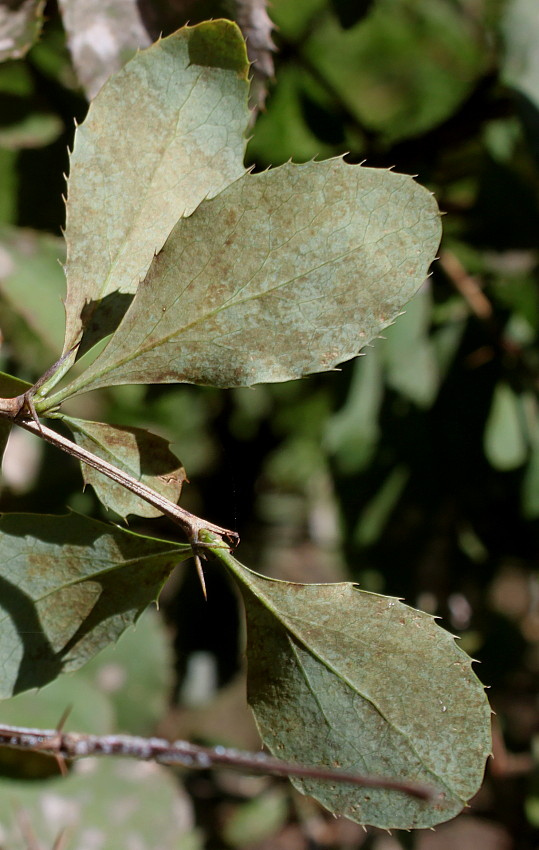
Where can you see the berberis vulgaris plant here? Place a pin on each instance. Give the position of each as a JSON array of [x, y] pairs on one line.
[[184, 267]]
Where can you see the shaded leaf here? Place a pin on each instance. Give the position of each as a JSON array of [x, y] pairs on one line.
[[520, 28], [102, 36], [70, 586], [31, 288], [353, 431], [404, 69], [350, 14], [285, 273], [376, 513], [9, 388], [350, 679], [20, 25], [107, 804], [31, 131], [145, 456], [410, 357], [136, 674], [175, 118], [506, 446]]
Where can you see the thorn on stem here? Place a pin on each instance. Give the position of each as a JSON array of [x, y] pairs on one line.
[[200, 573]]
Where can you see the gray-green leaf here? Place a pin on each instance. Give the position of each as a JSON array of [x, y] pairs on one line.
[[69, 587], [350, 679], [284, 273], [145, 456], [161, 135]]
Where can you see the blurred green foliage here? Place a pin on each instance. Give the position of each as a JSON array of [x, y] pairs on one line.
[[415, 469]]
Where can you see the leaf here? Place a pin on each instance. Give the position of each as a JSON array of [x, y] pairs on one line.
[[404, 69], [161, 135], [70, 586], [410, 356], [9, 388], [506, 446], [345, 678], [349, 14], [137, 675], [31, 288], [285, 273], [107, 804], [20, 25], [520, 68], [102, 36], [352, 433], [145, 456]]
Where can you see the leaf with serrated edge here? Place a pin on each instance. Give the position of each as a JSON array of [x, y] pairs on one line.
[[161, 135], [285, 273], [70, 586], [143, 455], [349, 679]]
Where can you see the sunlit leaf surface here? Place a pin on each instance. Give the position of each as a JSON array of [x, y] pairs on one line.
[[285, 273], [350, 679], [161, 135]]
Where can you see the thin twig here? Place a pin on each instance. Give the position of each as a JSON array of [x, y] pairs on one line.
[[72, 745], [468, 286], [192, 525]]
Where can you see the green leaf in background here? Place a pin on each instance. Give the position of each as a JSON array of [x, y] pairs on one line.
[[162, 134], [349, 679], [506, 446], [145, 456], [31, 131], [285, 273], [282, 132], [520, 29], [107, 804], [136, 675], [102, 37], [404, 68], [353, 431], [31, 289], [9, 388], [20, 25], [410, 357], [70, 586], [375, 515]]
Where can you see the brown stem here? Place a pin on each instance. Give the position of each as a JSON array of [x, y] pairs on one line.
[[18, 411], [69, 745]]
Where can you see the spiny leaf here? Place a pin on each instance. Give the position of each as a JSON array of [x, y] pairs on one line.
[[285, 273], [70, 586], [145, 456], [161, 135], [350, 679]]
